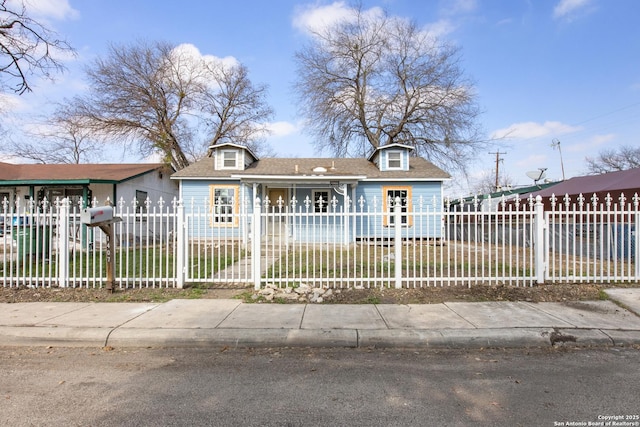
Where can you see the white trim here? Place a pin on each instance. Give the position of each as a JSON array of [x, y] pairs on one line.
[[291, 178], [236, 155], [204, 178], [400, 159], [229, 144], [391, 181]]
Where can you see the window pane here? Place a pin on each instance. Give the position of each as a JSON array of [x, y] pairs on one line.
[[229, 159], [391, 202], [321, 201], [394, 160], [223, 204]]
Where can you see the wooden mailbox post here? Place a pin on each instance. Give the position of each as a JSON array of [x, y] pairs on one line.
[[102, 217]]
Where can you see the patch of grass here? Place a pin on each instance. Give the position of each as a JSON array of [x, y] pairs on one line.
[[602, 295], [372, 299], [247, 297]]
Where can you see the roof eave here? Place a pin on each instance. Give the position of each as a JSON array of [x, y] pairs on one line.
[[300, 177]]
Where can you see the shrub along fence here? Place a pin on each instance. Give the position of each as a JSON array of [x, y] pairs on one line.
[[411, 244]]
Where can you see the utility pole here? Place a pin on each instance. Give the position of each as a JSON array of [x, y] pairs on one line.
[[498, 159]]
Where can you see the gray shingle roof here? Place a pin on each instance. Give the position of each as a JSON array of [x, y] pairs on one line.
[[419, 169]]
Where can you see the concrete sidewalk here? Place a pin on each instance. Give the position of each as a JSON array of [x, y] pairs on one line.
[[224, 322]]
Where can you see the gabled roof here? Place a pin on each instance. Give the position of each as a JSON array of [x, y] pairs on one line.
[[301, 168], [622, 181], [389, 146], [229, 144], [39, 174]]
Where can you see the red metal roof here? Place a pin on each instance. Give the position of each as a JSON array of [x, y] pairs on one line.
[[63, 172], [627, 182]]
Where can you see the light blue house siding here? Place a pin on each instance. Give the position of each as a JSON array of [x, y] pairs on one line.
[[317, 218], [423, 211], [368, 215], [208, 216], [219, 192]]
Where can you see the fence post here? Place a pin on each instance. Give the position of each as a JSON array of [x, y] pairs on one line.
[[636, 243], [539, 244], [181, 245], [397, 223], [63, 243], [256, 233]]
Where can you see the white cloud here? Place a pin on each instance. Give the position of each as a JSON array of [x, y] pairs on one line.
[[457, 7], [312, 19], [54, 9], [528, 130], [566, 8], [280, 129], [529, 162], [11, 103], [592, 143], [189, 50], [440, 28]]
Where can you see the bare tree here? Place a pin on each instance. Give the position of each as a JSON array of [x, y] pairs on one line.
[[26, 48], [369, 81], [169, 101], [237, 111], [611, 160], [61, 138], [486, 183]]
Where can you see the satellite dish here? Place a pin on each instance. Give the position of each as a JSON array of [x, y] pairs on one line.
[[537, 175]]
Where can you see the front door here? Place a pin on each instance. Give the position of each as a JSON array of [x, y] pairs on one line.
[[277, 220]]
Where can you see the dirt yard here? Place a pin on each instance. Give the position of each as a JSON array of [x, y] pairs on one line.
[[431, 295]]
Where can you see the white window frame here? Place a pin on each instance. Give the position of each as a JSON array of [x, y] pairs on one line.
[[389, 202], [224, 215], [223, 160], [398, 160]]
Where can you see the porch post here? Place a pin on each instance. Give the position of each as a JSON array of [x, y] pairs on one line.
[[346, 219], [397, 223]]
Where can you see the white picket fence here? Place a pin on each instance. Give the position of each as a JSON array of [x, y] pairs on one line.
[[176, 244]]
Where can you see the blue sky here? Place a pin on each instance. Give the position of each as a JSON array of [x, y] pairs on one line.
[[543, 69]]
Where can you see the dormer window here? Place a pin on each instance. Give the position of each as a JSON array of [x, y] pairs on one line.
[[230, 159], [394, 160]]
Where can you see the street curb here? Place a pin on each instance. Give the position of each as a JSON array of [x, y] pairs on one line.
[[455, 338], [53, 336], [129, 337], [343, 338], [580, 337], [623, 338]]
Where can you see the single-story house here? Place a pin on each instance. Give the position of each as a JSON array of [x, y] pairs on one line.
[[232, 177], [81, 183]]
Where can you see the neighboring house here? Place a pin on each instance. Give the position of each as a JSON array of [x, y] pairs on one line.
[[492, 202], [613, 184], [233, 177], [85, 182]]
